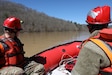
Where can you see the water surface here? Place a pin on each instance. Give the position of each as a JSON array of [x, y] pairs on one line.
[[37, 42]]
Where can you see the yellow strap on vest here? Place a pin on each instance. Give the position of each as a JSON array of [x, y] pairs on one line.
[[104, 47]]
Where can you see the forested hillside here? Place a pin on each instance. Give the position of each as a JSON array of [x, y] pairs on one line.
[[34, 20]]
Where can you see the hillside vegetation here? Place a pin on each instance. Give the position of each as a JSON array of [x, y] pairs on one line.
[[35, 21]]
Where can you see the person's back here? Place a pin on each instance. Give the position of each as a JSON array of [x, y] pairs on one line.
[[92, 57]]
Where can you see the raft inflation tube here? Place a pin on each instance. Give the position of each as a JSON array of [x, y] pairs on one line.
[[53, 55]]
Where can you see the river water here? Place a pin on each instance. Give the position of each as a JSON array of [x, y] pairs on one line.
[[37, 42]]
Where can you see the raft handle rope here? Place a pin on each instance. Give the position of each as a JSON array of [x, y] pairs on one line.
[[65, 61]]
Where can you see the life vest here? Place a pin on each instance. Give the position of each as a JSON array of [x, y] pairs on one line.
[[12, 53]]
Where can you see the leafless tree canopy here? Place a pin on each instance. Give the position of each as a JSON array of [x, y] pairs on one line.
[[35, 21]]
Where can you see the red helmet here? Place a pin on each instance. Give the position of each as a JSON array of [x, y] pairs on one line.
[[12, 23], [99, 15]]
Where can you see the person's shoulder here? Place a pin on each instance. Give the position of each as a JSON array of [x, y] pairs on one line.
[[93, 47], [89, 44]]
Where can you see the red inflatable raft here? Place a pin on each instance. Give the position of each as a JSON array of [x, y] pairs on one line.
[[53, 55]]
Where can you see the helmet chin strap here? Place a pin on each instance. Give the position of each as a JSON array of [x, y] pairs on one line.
[[15, 32], [92, 30]]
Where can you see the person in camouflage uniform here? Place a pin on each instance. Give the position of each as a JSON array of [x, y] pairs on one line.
[[12, 60], [91, 57]]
